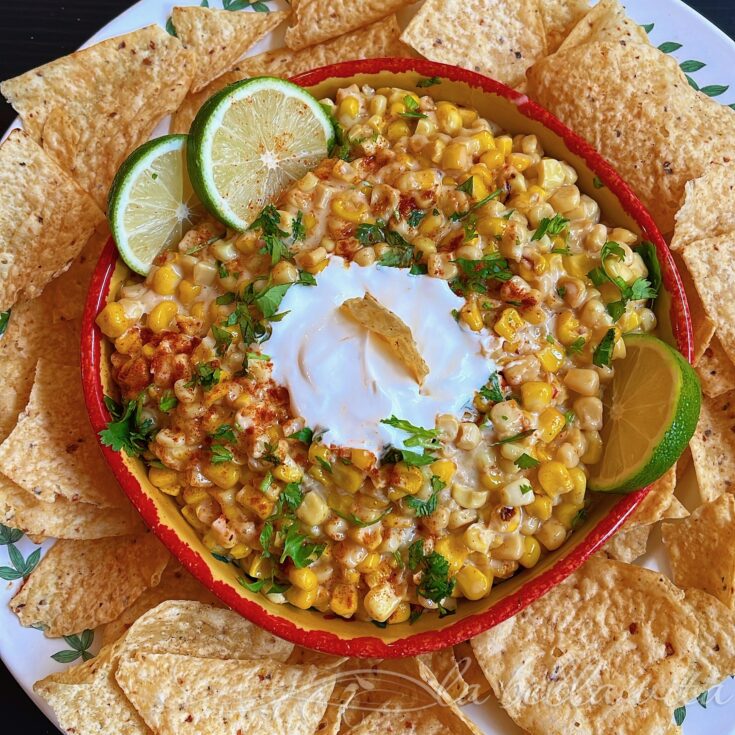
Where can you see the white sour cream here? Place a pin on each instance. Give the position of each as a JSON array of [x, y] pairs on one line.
[[345, 379]]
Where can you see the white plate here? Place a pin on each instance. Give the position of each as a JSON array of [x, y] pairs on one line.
[[27, 653]]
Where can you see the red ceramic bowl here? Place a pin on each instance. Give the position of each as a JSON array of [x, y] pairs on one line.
[[516, 113]]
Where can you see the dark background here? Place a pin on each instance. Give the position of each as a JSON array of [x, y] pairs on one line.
[[32, 33]]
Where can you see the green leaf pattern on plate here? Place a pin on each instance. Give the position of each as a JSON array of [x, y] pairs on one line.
[[20, 567], [78, 648]]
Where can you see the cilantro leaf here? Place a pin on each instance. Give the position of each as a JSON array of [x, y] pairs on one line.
[[475, 274], [127, 430], [355, 521], [514, 438], [168, 402], [206, 374], [602, 356], [468, 186], [415, 217], [412, 108], [456, 216], [415, 459], [298, 231], [427, 507], [428, 82], [576, 347], [298, 549], [550, 226], [419, 437], [270, 299], [304, 435], [226, 432], [647, 251], [220, 454], [415, 554], [526, 462], [222, 338], [370, 234], [435, 582], [4, 319], [292, 495], [491, 391]]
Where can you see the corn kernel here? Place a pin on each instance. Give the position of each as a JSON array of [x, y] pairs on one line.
[[344, 600], [629, 321], [550, 423], [240, 551], [456, 157], [369, 564], [541, 507], [381, 602], [165, 280], [492, 226], [472, 583], [566, 513], [467, 497], [504, 144], [452, 548], [531, 552], [520, 161], [444, 469], [555, 479], [551, 358], [471, 316], [112, 320], [362, 458], [313, 510], [194, 495], [349, 107], [259, 567], [580, 484], [162, 476], [493, 159], [287, 472], [492, 478], [224, 474], [485, 141], [536, 395], [160, 317], [304, 579], [401, 615], [593, 454], [535, 314], [188, 292], [397, 130], [578, 265], [567, 328], [405, 480], [509, 323], [347, 477], [449, 118], [189, 513], [302, 599]]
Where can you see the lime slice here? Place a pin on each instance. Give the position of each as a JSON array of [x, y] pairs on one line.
[[252, 139], [151, 202], [651, 412]]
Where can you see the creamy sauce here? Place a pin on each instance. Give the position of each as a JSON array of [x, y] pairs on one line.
[[345, 379]]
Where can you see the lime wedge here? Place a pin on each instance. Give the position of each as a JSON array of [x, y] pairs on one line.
[[651, 412], [251, 140], [151, 202]]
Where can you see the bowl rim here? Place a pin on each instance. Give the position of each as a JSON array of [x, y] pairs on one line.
[[450, 633]]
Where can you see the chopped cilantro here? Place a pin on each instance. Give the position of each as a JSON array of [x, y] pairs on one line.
[[4, 319], [415, 554], [576, 347], [168, 402], [292, 496], [526, 489], [468, 186], [414, 218], [222, 339], [456, 216], [427, 507], [296, 546], [526, 462], [514, 438], [412, 108], [206, 374], [370, 234], [602, 356], [326, 466], [435, 582], [561, 291], [647, 251], [226, 432], [298, 231], [491, 391], [569, 417], [597, 182], [550, 226], [304, 435], [475, 274], [128, 430], [355, 521], [220, 453], [225, 299], [418, 436], [266, 482]]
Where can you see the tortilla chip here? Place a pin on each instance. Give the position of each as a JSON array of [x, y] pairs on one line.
[[316, 21], [443, 665], [176, 584], [339, 702], [52, 451], [46, 219], [213, 695], [701, 549], [713, 446], [714, 655], [377, 40], [607, 21], [676, 510], [568, 676], [628, 545], [698, 218], [654, 505], [191, 628], [712, 269], [493, 37], [92, 108], [63, 518], [559, 17], [219, 38], [716, 370], [620, 98], [86, 698], [703, 328], [82, 584], [372, 315], [478, 685]]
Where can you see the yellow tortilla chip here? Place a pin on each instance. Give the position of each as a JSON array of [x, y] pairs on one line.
[[493, 37], [703, 328], [339, 702], [478, 685], [86, 698], [52, 451], [713, 446], [716, 370], [211, 696], [192, 628], [63, 518], [377, 40], [176, 584], [711, 265], [620, 97], [82, 584], [676, 510], [628, 545], [709, 206], [372, 315], [714, 655], [607, 21], [701, 549], [556, 667], [219, 38], [654, 505], [443, 665], [559, 17], [92, 108], [46, 219], [316, 21]]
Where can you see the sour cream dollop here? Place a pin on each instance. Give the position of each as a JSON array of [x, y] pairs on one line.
[[345, 379]]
